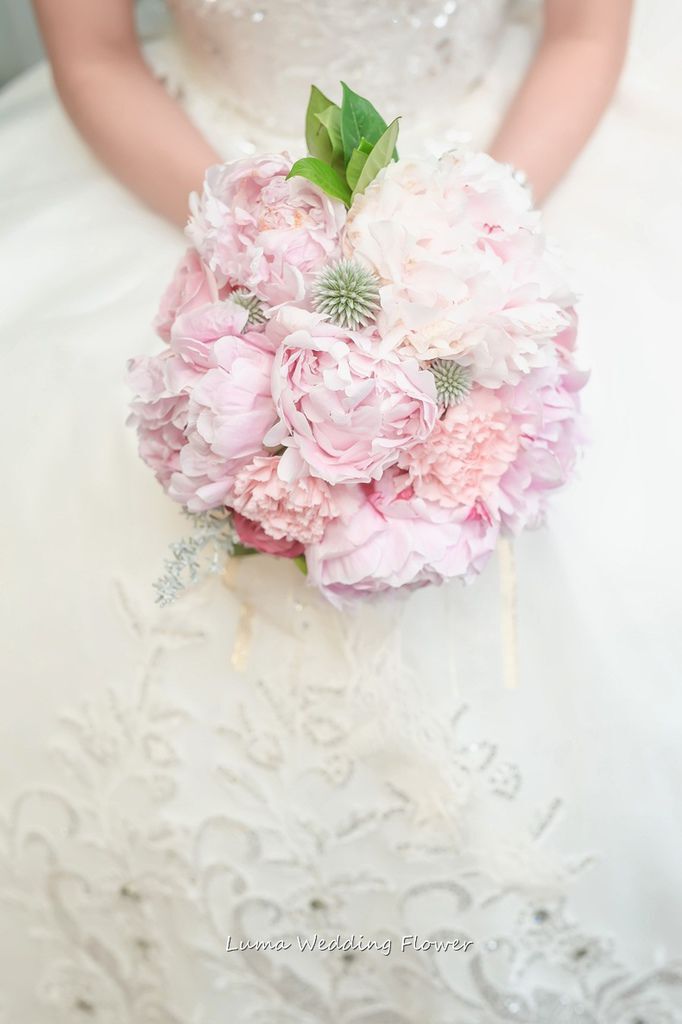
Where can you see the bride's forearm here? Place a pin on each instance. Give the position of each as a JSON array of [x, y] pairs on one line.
[[138, 131], [118, 106], [566, 90]]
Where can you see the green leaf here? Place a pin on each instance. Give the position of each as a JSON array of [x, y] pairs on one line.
[[300, 561], [316, 136], [322, 175], [358, 119], [380, 157], [357, 161], [331, 120], [330, 117], [240, 551], [355, 164]]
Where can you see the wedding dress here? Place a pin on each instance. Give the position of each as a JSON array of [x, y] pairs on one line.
[[252, 766]]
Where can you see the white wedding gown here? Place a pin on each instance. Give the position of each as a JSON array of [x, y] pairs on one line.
[[251, 764]]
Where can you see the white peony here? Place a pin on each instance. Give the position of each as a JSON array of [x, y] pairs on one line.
[[465, 269]]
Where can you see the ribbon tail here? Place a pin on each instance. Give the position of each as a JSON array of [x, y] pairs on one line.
[[510, 651]]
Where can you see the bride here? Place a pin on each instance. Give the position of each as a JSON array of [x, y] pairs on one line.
[[456, 807]]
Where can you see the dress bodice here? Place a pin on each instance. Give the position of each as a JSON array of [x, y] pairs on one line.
[[411, 57]]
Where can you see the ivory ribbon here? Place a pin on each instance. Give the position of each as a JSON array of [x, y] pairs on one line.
[[510, 651], [241, 646]]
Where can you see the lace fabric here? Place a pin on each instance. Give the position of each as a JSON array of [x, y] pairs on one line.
[[288, 809]]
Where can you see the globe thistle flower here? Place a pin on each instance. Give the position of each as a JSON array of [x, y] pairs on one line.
[[453, 381], [348, 294], [252, 304]]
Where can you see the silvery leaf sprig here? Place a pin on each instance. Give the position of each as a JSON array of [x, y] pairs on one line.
[[201, 554]]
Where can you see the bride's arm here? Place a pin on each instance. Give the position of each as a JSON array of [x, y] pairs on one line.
[[566, 90], [118, 106]]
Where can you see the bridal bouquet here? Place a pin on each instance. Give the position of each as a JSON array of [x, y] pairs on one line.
[[369, 361]]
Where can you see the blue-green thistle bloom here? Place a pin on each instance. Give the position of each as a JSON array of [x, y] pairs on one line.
[[348, 294], [453, 381], [252, 304]]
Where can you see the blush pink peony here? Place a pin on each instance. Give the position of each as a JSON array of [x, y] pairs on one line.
[[345, 415], [230, 410], [546, 410], [390, 538], [255, 229], [192, 285], [194, 333], [159, 410]]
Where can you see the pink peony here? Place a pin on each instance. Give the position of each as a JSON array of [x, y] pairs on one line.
[[257, 230], [467, 454], [252, 535], [195, 333], [230, 409], [297, 511], [193, 285], [159, 410], [565, 341], [546, 411], [345, 415], [465, 270], [392, 538]]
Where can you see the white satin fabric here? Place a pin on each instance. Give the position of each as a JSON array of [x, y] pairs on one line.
[[249, 763]]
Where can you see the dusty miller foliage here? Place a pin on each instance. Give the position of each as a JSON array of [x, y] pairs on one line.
[[201, 554]]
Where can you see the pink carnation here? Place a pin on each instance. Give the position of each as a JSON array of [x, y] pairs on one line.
[[252, 535], [392, 538], [192, 285], [345, 415], [257, 230], [230, 409], [467, 454], [296, 511]]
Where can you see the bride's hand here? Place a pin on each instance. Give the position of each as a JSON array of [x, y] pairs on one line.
[[566, 90], [118, 106]]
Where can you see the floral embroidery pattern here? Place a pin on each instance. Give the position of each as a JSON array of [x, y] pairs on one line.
[[162, 832]]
